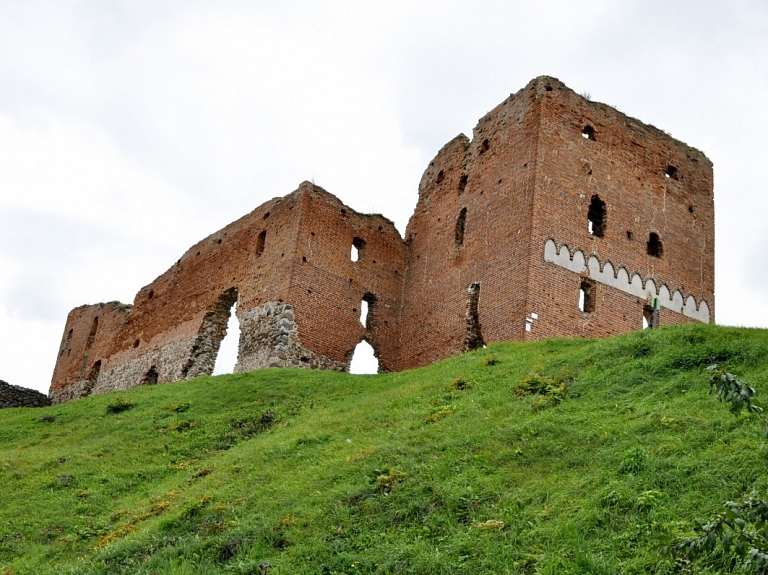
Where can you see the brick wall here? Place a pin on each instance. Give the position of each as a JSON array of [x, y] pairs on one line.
[[498, 248]]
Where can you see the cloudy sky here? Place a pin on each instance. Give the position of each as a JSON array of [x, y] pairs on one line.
[[129, 130]]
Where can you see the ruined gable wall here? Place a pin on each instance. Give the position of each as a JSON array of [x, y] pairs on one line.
[[498, 165], [327, 287], [89, 337], [625, 163], [169, 334]]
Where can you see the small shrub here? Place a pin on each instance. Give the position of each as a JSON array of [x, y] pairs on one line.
[[119, 405], [386, 481], [460, 384], [440, 414], [634, 461]]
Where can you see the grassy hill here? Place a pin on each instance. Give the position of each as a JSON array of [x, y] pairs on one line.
[[445, 469]]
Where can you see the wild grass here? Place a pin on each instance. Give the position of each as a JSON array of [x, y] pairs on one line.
[[562, 456]]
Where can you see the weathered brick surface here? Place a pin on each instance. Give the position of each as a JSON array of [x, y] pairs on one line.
[[498, 248]]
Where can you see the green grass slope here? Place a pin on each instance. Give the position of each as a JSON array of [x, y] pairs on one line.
[[445, 469]]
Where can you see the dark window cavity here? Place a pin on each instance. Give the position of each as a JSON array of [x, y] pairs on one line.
[[92, 334], [596, 217], [671, 172], [588, 133], [484, 146], [461, 222], [440, 177], [463, 183], [150, 378], [260, 241], [655, 247]]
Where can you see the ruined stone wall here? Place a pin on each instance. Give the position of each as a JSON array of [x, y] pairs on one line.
[[554, 197], [16, 396], [649, 182]]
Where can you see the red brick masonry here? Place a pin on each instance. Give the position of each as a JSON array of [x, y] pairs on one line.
[[561, 217]]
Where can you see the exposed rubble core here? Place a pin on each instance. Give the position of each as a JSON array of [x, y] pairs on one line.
[[573, 217], [16, 396]]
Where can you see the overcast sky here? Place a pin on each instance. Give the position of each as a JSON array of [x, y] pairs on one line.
[[129, 130]]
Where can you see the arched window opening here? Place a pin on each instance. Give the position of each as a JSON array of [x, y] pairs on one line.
[[92, 334], [260, 241], [588, 133], [227, 356], [655, 247], [461, 223], [357, 249], [151, 377], [363, 359], [596, 217], [440, 177], [587, 296]]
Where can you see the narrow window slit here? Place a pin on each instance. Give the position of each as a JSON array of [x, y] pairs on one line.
[[596, 217]]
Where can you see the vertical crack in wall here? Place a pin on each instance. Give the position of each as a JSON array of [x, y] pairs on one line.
[[474, 338]]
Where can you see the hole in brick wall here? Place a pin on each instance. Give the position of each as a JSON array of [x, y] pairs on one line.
[[218, 240], [647, 317], [484, 146], [691, 208], [343, 211], [463, 183], [588, 133], [587, 296], [266, 215], [655, 247], [92, 334], [380, 228], [363, 360], [630, 235], [596, 217], [671, 172], [440, 177], [213, 330], [303, 258], [357, 249], [136, 343], [197, 254], [367, 310], [151, 377], [227, 357], [461, 223], [548, 88], [473, 339], [151, 294], [261, 241]]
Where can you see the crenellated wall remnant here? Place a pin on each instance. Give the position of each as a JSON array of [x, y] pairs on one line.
[[560, 217]]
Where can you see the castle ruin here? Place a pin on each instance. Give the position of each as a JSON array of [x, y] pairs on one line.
[[561, 217]]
